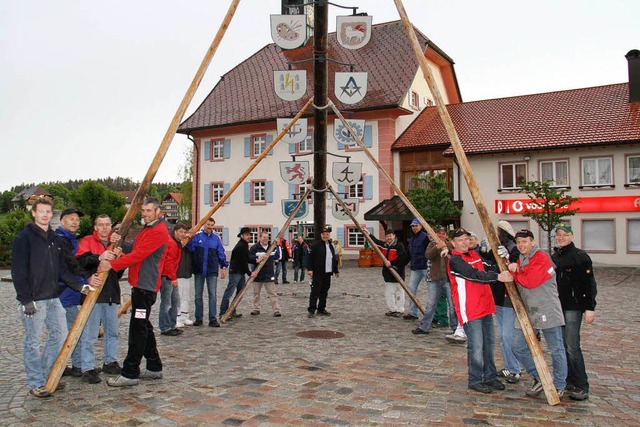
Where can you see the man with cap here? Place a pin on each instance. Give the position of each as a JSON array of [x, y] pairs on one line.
[[238, 268], [397, 258], [265, 277], [323, 263], [577, 288], [419, 265], [536, 280], [474, 306]]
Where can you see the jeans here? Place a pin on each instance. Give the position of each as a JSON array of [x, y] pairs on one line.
[[281, 265], [436, 289], [142, 340], [506, 326], [298, 268], [184, 289], [212, 285], [577, 376], [37, 364], [236, 283], [553, 337], [169, 306], [414, 280], [480, 342], [71, 313], [108, 315]]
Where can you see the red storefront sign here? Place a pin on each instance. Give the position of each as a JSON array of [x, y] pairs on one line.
[[583, 204]]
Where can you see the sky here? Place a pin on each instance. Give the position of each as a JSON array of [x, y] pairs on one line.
[[89, 89]]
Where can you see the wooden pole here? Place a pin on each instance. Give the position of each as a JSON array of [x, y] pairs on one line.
[[125, 306], [83, 315], [395, 274], [240, 295], [483, 213]]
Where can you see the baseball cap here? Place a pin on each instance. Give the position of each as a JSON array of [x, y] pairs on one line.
[[460, 232], [70, 211], [415, 222], [438, 228], [564, 227], [524, 233], [326, 229]]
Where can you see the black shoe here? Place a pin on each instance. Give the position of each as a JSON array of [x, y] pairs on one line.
[[111, 368], [311, 315], [275, 282], [214, 323], [255, 312], [171, 332], [397, 314], [91, 377], [419, 331], [237, 315], [439, 325], [481, 388], [578, 394], [277, 314], [286, 282], [76, 372], [389, 313], [409, 317], [198, 322], [66, 372], [495, 385], [323, 313]]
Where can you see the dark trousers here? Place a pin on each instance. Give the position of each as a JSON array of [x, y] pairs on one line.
[[319, 289], [142, 341]]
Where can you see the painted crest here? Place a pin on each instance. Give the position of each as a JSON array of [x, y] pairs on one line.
[[342, 134], [350, 88], [290, 85], [339, 213], [294, 172], [353, 32], [289, 31], [346, 174], [296, 133], [288, 205]]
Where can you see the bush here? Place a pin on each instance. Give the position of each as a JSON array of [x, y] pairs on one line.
[[12, 223]]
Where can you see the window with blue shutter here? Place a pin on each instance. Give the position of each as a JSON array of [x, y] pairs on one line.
[[227, 148], [247, 146], [247, 192], [207, 194], [368, 136], [207, 151], [368, 187], [269, 192], [227, 187], [269, 141]]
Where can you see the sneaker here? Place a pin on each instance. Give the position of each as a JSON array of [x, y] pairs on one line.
[[512, 378], [455, 339], [121, 381], [172, 332], [255, 312], [237, 315], [504, 373], [496, 385], [76, 372], [40, 392], [91, 377], [481, 388], [179, 324], [66, 372], [569, 388], [562, 394], [323, 313], [409, 317], [214, 323], [418, 331], [578, 394], [535, 389], [61, 386], [111, 368], [277, 314], [187, 322], [311, 315], [198, 322], [389, 313], [150, 375], [397, 314], [285, 282]]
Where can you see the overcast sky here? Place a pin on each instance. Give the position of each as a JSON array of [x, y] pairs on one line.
[[88, 89]]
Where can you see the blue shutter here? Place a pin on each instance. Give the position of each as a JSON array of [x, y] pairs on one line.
[[227, 187], [207, 151], [247, 192], [368, 187], [368, 136], [340, 235], [269, 141], [207, 194], [225, 236], [274, 232], [227, 148], [292, 148], [292, 189], [370, 230], [340, 146], [341, 191], [247, 146], [269, 191]]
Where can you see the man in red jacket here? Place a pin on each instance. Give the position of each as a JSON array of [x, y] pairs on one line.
[[145, 264], [473, 300]]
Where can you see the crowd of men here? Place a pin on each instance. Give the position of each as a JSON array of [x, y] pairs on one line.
[[52, 272]]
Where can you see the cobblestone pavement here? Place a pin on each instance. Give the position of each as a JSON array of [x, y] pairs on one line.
[[256, 370]]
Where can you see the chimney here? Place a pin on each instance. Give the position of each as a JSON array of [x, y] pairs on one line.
[[633, 58]]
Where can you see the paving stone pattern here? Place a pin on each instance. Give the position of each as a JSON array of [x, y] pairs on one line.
[[257, 370]]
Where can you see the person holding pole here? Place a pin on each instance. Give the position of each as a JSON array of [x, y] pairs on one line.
[[300, 259], [91, 250], [322, 265], [37, 266], [473, 300], [145, 264], [238, 269], [265, 276], [419, 264]]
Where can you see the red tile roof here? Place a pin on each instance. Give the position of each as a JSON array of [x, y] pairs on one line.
[[571, 118], [245, 94], [175, 196]]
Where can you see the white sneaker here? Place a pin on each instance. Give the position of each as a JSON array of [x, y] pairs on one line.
[[187, 322], [456, 339], [180, 324]]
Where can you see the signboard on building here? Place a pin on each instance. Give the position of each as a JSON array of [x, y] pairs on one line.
[[583, 205], [353, 32], [296, 133], [294, 172], [346, 173], [288, 205], [350, 88], [290, 85], [339, 213]]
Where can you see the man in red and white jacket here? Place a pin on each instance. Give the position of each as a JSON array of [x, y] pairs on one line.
[[145, 264], [473, 300]]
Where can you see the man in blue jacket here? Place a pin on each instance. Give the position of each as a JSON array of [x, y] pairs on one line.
[[37, 265], [419, 264], [208, 258]]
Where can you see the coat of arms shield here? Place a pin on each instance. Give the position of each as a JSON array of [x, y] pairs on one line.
[[346, 173], [342, 134], [294, 172], [288, 31], [350, 88], [353, 32], [339, 213], [296, 133], [290, 85], [288, 205]]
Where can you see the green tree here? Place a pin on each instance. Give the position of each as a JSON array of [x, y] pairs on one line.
[[94, 199], [186, 187], [552, 205], [433, 199], [60, 195], [10, 226], [5, 201]]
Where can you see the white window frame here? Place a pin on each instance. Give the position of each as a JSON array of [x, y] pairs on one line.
[[306, 146], [514, 168], [356, 191], [633, 229], [598, 173], [633, 178], [217, 191], [259, 192], [554, 177], [217, 149], [589, 235], [355, 238], [258, 144]]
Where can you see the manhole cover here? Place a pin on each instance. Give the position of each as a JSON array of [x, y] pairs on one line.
[[319, 334]]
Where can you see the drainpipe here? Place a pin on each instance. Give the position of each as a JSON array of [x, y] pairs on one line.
[[196, 182]]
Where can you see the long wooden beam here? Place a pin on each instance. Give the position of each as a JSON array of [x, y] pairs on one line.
[[89, 302], [483, 213]]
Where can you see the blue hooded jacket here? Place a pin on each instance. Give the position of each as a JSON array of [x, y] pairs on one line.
[[69, 296], [208, 254]]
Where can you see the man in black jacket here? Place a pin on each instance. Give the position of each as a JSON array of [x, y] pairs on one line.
[[265, 276], [322, 265], [238, 268], [37, 265], [577, 289]]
